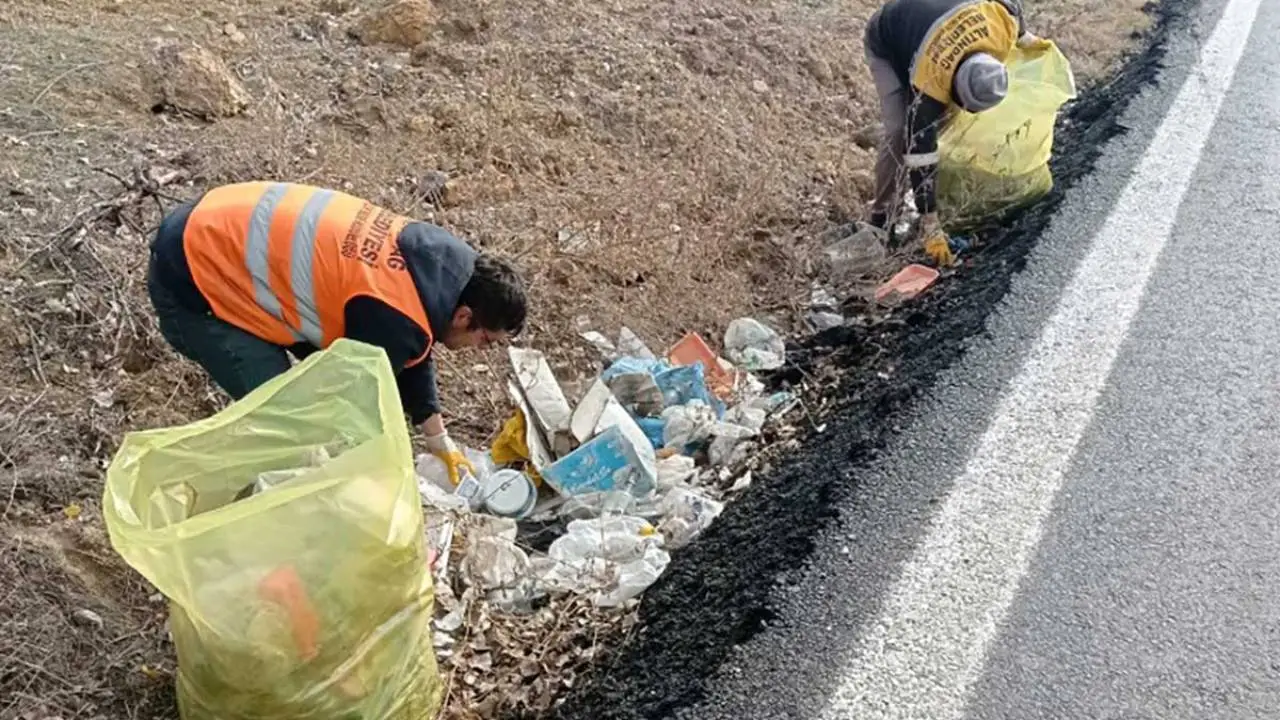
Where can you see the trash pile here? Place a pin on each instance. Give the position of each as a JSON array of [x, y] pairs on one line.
[[585, 498]]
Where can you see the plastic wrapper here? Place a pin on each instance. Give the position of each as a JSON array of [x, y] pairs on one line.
[[312, 598], [675, 470], [614, 558], [753, 345], [686, 513], [996, 161], [687, 425]]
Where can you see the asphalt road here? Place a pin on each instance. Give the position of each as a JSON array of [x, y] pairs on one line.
[[1083, 520]]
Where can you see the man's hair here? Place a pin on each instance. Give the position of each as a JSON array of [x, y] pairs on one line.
[[496, 295]]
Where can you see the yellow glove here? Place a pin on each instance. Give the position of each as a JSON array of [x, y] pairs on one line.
[[1034, 43], [938, 248], [443, 447], [936, 243]]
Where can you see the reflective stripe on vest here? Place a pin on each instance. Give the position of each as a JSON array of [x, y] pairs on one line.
[[255, 249], [301, 260]]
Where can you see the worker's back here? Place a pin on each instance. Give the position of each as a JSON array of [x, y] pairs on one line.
[[281, 260], [897, 31]]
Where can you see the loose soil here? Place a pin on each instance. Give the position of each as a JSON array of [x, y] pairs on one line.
[[667, 165]]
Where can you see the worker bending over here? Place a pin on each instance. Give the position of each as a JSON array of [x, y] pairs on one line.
[[249, 273], [926, 57]]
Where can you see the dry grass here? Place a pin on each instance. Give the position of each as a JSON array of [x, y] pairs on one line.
[[664, 164], [1089, 31]]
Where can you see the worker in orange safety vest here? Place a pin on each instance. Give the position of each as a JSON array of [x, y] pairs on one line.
[[250, 273]]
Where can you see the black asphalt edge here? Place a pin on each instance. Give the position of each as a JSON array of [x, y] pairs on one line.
[[716, 594]]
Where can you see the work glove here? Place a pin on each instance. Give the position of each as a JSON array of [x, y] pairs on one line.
[[443, 447], [936, 243]]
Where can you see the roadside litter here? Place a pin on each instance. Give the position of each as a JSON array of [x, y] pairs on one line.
[[639, 466], [313, 570], [907, 283]]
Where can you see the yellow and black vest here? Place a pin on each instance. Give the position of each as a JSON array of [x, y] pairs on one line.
[[925, 40]]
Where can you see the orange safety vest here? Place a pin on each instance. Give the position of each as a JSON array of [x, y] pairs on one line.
[[281, 260]]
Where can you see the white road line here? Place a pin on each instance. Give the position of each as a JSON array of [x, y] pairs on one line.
[[920, 659]]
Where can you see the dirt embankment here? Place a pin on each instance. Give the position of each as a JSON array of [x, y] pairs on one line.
[[663, 164]]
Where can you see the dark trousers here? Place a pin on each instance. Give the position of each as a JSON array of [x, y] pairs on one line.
[[236, 360], [891, 169]]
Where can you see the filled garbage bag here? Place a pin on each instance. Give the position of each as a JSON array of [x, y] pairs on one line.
[[996, 161], [310, 597]]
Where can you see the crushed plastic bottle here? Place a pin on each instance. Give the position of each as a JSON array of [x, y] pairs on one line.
[[752, 345], [597, 504]]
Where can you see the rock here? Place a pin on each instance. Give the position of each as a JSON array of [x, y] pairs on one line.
[[88, 617], [819, 68], [868, 137], [823, 320], [407, 23], [302, 32], [863, 182], [570, 117], [469, 24], [321, 27], [233, 33], [188, 78], [336, 7], [699, 59], [760, 86]]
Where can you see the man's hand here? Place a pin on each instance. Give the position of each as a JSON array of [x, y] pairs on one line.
[[443, 447], [936, 243]]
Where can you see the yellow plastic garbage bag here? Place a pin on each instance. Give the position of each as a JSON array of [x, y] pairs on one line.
[[309, 598], [998, 160]]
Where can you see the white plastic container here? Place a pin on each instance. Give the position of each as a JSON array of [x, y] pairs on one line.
[[509, 493]]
